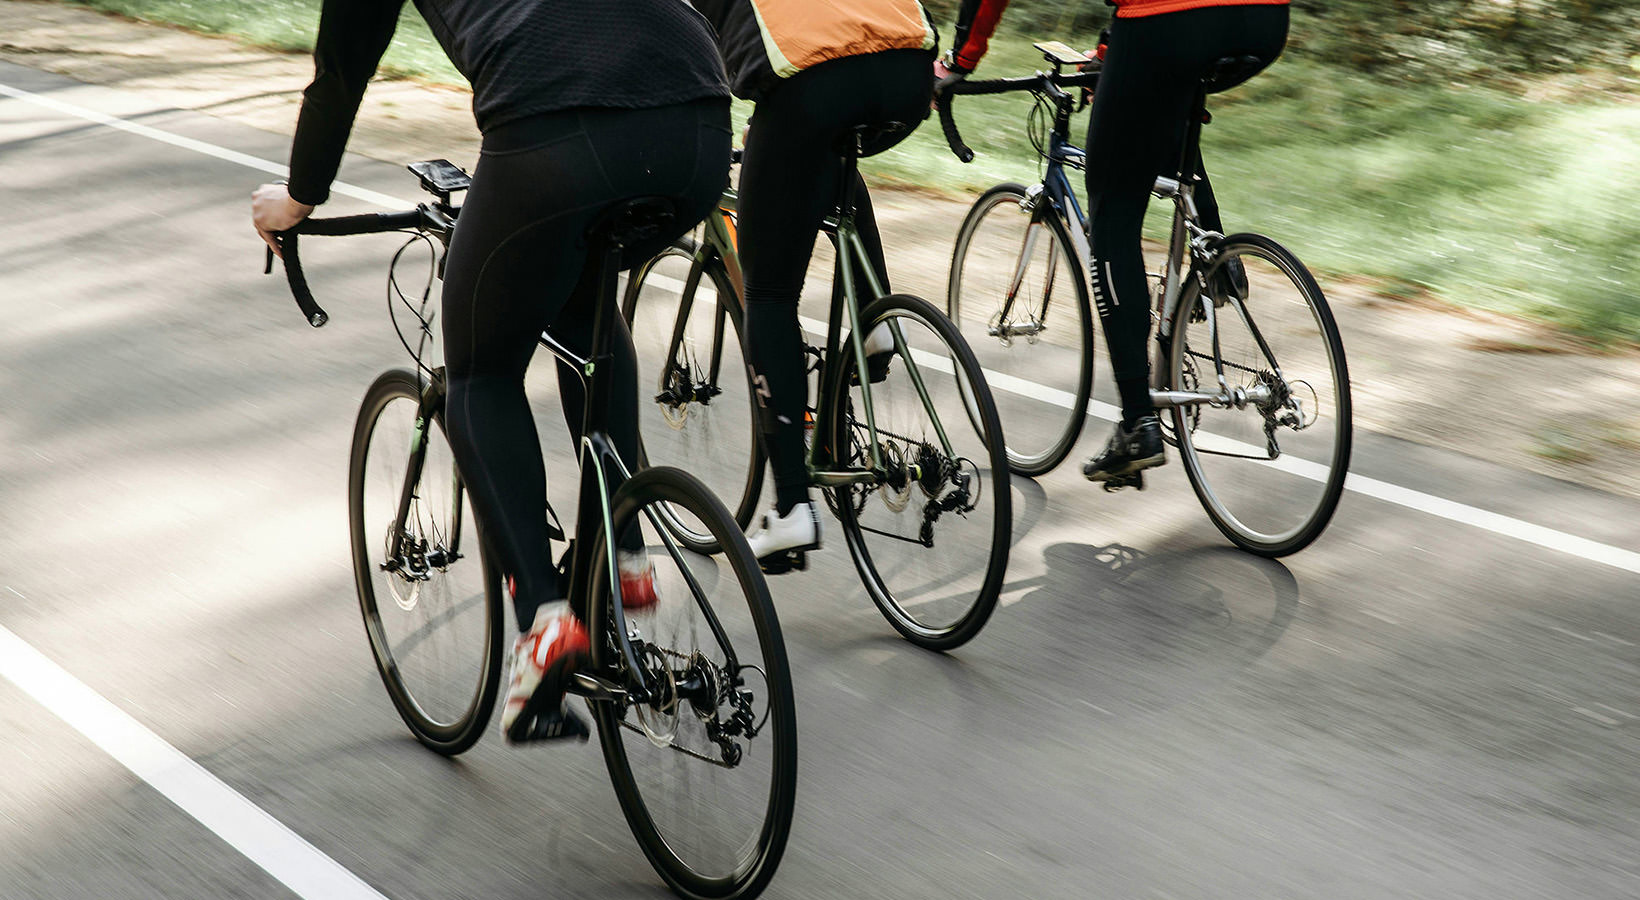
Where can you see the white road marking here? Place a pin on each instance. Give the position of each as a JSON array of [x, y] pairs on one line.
[[177, 140], [246, 827], [1440, 507]]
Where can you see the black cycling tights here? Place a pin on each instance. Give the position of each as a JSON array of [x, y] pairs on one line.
[[518, 266], [1136, 132], [788, 184]]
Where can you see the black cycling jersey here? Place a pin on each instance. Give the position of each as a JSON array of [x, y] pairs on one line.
[[522, 57]]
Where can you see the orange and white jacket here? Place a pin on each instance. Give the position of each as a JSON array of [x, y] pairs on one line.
[[764, 41]]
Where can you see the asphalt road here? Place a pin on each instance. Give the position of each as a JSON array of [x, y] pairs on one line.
[[1433, 701]]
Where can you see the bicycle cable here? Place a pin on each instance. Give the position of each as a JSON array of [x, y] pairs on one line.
[[425, 318]]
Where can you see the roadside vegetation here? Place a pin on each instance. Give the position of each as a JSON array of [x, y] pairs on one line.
[[1483, 152]]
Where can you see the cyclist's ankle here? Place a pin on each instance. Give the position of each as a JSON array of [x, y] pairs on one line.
[[1136, 402], [787, 500]]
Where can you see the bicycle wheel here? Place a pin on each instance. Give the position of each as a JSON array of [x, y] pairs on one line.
[[1018, 295], [697, 409], [433, 609], [1269, 468], [930, 541], [706, 770]]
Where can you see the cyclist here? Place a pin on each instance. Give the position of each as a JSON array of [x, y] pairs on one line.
[[1159, 51], [816, 71], [581, 106]]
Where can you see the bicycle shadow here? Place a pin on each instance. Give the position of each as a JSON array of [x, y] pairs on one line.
[[1142, 632]]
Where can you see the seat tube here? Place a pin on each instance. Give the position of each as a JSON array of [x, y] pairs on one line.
[[847, 241]]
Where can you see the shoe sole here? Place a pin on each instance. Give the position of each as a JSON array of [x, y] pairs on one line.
[[786, 559], [1133, 467], [533, 724]]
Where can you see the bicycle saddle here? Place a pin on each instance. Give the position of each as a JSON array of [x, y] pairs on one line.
[[632, 221], [1230, 71], [865, 140]]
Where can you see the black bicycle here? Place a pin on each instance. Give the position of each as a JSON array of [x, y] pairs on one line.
[[693, 700], [910, 457], [1248, 358]]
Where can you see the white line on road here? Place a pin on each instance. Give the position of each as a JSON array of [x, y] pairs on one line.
[[1440, 507], [177, 140], [263, 839]]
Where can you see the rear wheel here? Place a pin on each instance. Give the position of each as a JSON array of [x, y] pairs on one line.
[[706, 769], [695, 408], [1269, 467], [432, 609], [931, 539], [1019, 297]]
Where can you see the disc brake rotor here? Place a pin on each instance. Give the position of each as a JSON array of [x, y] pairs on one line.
[[659, 718], [896, 490], [404, 586]]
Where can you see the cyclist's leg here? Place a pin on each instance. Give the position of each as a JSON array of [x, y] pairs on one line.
[[514, 267], [628, 143], [1134, 132], [1259, 32], [788, 184]]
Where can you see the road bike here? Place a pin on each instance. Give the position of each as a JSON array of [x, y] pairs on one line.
[[911, 457], [1248, 362], [693, 701]]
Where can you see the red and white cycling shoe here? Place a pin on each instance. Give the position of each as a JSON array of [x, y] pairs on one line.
[[637, 580], [544, 659]]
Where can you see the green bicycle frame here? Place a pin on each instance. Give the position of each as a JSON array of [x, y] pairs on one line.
[[720, 238]]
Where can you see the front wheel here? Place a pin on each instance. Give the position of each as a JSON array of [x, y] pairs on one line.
[[430, 598], [1269, 463], [695, 410], [930, 537], [1019, 297], [705, 767]]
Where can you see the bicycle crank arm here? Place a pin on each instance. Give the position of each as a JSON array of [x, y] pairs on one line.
[[843, 478], [1237, 397], [592, 687]]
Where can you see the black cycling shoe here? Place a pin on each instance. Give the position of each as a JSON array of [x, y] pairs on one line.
[[1128, 453], [879, 353], [1230, 281]]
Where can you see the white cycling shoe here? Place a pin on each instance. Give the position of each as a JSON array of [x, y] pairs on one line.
[[781, 543]]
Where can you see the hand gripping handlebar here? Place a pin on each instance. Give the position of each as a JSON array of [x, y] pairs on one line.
[[1049, 83], [369, 223]]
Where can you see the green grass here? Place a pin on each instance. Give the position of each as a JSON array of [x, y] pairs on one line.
[[1475, 195], [288, 25]]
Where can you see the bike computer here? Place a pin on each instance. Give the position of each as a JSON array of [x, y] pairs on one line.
[[1061, 53]]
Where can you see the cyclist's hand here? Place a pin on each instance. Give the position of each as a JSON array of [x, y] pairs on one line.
[[272, 210]]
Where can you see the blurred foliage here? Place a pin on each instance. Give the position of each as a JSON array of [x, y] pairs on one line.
[[1420, 39], [1429, 147]]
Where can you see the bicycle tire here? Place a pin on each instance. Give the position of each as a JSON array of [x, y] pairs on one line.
[[1271, 270], [1053, 418], [665, 848], [471, 622], [976, 598], [668, 430]]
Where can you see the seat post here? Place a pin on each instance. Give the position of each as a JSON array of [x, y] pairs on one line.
[[607, 254], [851, 168], [1193, 137]]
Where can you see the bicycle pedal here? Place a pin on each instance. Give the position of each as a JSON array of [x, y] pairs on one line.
[[1135, 480], [553, 725], [784, 561]]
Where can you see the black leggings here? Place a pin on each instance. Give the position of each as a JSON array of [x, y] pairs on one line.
[[788, 184], [518, 266], [1141, 112]]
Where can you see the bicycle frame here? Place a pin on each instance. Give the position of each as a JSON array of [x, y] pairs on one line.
[[720, 239], [598, 460], [1188, 240]]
